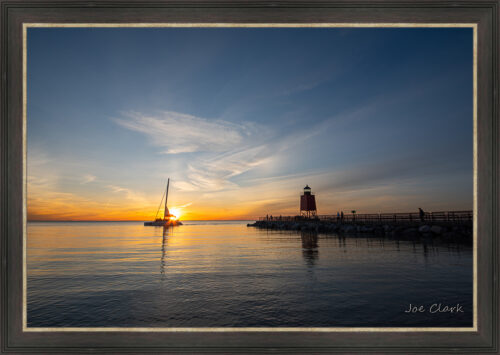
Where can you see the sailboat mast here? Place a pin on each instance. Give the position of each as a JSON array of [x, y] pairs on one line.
[[166, 213]]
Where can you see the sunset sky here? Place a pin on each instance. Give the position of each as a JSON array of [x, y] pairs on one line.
[[241, 119]]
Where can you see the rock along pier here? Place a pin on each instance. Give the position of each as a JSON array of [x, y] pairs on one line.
[[447, 226]]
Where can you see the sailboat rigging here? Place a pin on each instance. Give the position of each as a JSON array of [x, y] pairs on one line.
[[168, 218]]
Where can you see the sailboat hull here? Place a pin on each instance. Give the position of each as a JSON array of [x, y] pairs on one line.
[[162, 223]]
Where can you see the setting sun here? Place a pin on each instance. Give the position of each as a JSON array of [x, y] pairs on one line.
[[175, 213]]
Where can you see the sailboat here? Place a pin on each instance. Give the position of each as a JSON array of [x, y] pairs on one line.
[[168, 218]]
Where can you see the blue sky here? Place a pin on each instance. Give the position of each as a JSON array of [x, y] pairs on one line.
[[376, 120]]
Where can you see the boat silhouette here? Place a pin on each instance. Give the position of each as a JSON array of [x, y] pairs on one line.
[[168, 218]]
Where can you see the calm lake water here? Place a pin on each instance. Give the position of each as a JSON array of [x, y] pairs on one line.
[[201, 274]]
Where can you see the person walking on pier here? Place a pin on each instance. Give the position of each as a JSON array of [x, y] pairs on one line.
[[422, 214], [338, 217], [342, 217]]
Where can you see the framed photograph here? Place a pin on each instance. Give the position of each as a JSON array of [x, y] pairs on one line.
[[249, 176]]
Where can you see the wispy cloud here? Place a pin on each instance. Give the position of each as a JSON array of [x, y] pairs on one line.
[[217, 171], [185, 205], [87, 178], [417, 167], [181, 133], [225, 149], [214, 173], [129, 193]]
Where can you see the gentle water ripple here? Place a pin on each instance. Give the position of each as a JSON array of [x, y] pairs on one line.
[[206, 274]]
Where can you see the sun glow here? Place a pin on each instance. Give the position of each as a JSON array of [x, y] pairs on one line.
[[175, 213]]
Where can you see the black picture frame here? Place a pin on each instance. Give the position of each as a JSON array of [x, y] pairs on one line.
[[483, 13]]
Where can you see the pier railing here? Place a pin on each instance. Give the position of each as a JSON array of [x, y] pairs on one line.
[[388, 218]]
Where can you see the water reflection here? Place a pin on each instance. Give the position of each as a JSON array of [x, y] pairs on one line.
[[214, 274], [164, 249], [425, 250], [309, 246]]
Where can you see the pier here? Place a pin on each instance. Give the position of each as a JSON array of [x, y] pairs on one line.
[[453, 217], [446, 225]]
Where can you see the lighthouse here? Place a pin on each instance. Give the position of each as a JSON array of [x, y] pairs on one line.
[[308, 203]]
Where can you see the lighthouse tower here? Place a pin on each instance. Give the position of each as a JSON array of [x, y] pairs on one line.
[[308, 203]]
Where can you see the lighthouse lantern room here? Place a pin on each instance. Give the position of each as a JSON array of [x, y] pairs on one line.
[[308, 203]]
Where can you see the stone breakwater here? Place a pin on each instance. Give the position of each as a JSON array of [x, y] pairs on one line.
[[443, 231]]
